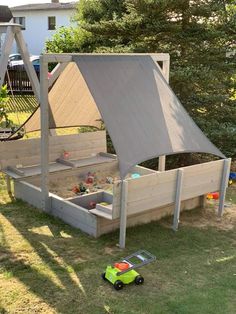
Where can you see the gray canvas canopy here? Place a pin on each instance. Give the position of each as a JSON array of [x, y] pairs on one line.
[[141, 112]]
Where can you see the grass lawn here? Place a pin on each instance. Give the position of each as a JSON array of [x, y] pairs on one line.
[[48, 267]]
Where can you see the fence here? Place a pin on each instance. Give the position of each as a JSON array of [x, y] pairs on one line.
[[19, 81]]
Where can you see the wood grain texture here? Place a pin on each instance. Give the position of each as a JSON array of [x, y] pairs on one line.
[[27, 152], [159, 189], [105, 226]]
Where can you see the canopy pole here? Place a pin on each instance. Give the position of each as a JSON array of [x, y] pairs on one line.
[[166, 73], [44, 116], [123, 213]]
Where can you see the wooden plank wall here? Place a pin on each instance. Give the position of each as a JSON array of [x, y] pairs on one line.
[[70, 213], [106, 226], [74, 215], [28, 193], [159, 189], [117, 189], [27, 152]]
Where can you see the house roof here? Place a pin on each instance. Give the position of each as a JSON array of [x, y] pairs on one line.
[[44, 6], [141, 112]]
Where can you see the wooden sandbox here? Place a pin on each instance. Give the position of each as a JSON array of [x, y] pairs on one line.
[[150, 195]]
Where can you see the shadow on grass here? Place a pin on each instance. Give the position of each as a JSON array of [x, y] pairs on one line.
[[62, 266], [62, 254]]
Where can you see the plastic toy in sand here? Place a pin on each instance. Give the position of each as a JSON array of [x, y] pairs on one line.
[[92, 205], [90, 178], [135, 175], [213, 196], [65, 155]]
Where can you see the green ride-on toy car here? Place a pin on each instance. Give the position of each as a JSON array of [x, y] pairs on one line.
[[123, 273]]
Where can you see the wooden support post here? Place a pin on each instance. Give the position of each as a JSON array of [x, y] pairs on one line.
[[56, 72], [44, 133], [162, 163], [27, 64], [8, 181], [179, 184], [6, 50], [166, 69], [166, 74], [203, 201], [224, 185], [123, 213]]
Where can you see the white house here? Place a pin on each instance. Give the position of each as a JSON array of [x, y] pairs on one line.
[[40, 22]]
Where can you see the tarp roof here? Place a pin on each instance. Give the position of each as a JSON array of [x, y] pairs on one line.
[[141, 112]]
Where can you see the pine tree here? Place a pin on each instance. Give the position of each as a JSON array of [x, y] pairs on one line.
[[197, 34]]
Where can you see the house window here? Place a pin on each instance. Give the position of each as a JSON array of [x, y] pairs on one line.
[[51, 22], [20, 20]]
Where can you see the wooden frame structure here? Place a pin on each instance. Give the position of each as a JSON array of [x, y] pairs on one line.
[[135, 200], [13, 31], [63, 60]]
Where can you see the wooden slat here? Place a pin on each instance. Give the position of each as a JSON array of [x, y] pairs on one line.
[[159, 189], [105, 226], [27, 152], [74, 215], [28, 193], [201, 179]]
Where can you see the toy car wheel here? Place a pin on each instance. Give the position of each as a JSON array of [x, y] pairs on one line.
[[139, 280], [103, 275], [118, 285]]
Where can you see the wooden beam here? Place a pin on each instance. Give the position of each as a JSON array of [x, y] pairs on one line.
[[123, 213], [57, 57], [6, 50], [44, 133], [28, 65], [56, 72], [224, 185], [179, 184], [63, 57], [8, 181], [166, 70]]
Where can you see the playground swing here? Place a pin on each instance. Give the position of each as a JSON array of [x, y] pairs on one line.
[[13, 31]]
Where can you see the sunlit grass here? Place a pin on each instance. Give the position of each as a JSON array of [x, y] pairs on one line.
[[47, 266]]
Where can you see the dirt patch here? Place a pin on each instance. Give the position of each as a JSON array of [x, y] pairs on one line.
[[208, 217]]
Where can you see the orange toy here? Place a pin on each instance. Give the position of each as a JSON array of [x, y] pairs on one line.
[[213, 196], [121, 266]]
